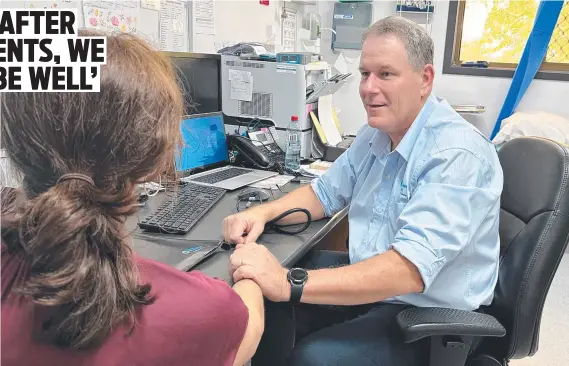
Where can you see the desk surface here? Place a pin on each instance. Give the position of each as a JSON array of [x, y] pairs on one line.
[[287, 248]]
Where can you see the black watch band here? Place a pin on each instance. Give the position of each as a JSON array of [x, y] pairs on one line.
[[297, 277]]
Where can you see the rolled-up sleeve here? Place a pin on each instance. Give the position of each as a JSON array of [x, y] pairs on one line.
[[335, 187], [455, 191]]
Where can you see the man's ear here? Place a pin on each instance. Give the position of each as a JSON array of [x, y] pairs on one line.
[[428, 75]]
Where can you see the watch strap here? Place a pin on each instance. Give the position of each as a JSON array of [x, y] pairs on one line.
[[296, 292]]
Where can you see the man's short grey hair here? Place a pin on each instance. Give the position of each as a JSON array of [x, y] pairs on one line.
[[418, 44]]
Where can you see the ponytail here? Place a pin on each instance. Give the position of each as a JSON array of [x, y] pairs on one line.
[[80, 265]]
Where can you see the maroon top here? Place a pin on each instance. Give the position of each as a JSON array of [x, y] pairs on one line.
[[195, 320]]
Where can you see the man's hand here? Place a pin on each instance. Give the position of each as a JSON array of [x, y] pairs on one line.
[[256, 262], [250, 222]]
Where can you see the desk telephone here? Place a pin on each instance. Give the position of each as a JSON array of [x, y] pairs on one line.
[[259, 150]]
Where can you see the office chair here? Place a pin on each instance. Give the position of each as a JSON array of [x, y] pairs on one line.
[[534, 231]]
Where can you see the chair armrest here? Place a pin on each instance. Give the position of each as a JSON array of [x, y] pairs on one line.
[[417, 323]]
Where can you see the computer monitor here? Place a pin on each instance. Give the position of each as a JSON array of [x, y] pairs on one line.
[[199, 74], [204, 140]]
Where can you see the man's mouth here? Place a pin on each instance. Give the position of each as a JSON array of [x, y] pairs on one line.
[[376, 105]]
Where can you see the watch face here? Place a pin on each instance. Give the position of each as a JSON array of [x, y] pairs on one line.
[[298, 275]]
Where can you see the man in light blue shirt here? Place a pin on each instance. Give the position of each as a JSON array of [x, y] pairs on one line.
[[423, 189]]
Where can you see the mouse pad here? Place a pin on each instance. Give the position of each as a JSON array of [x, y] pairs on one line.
[[179, 253]]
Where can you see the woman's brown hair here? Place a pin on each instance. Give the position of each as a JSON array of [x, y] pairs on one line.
[[72, 234]]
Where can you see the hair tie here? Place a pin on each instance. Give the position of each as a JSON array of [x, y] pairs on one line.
[[82, 177]]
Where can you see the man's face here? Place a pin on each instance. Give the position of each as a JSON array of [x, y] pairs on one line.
[[391, 90]]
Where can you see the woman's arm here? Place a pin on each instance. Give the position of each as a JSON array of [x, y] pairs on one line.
[[251, 295]]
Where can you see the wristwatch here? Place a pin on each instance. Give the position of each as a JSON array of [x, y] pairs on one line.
[[297, 278]]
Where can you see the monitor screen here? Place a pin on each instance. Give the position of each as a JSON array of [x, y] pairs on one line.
[[204, 142], [199, 75]]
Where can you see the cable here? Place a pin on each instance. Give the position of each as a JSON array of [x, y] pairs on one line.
[[252, 197], [153, 193], [257, 121], [272, 225]]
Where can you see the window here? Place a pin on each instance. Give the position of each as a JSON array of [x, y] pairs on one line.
[[496, 31]]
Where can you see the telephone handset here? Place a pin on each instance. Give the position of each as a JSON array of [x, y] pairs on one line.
[[257, 156], [265, 139]]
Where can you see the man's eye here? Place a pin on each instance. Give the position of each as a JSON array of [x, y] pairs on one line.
[[385, 74], [364, 74]]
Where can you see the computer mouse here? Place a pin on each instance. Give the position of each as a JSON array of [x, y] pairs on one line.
[[254, 194]]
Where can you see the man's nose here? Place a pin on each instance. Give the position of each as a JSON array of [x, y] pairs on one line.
[[371, 85]]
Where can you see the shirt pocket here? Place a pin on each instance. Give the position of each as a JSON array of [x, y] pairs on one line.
[[398, 206]]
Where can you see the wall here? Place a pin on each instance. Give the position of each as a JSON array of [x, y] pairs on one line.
[[243, 21], [457, 89], [148, 24]]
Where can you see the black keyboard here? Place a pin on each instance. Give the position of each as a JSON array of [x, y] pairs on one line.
[[221, 175], [179, 214]]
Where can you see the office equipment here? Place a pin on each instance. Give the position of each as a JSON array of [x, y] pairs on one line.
[[253, 194], [534, 232], [255, 154], [264, 138], [325, 87], [205, 151], [298, 58], [287, 249], [199, 75], [179, 253], [278, 91], [349, 22], [331, 153], [180, 213], [244, 48], [248, 153], [324, 148]]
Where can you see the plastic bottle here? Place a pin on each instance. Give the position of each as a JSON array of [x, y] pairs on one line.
[[292, 154]]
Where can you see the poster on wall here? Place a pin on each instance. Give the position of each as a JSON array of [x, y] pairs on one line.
[[203, 14], [111, 16], [53, 4], [96, 14], [172, 25], [150, 4], [288, 29]]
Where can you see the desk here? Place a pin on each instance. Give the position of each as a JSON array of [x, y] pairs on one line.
[[287, 248]]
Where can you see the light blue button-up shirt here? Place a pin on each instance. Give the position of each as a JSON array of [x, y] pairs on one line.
[[435, 199]]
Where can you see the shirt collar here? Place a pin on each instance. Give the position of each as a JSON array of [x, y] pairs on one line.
[[406, 144], [380, 143]]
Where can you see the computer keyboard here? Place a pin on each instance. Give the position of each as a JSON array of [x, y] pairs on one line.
[[221, 175], [179, 214]]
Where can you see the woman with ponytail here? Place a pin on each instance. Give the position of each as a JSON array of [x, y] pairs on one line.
[[73, 291]]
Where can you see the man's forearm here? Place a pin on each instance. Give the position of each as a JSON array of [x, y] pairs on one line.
[[303, 197], [375, 279]]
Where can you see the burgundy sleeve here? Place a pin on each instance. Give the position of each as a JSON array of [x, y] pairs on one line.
[[195, 319], [228, 320]]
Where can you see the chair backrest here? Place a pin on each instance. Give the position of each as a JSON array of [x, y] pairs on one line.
[[534, 231]]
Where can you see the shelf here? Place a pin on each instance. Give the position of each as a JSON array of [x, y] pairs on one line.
[[303, 2], [469, 108]]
